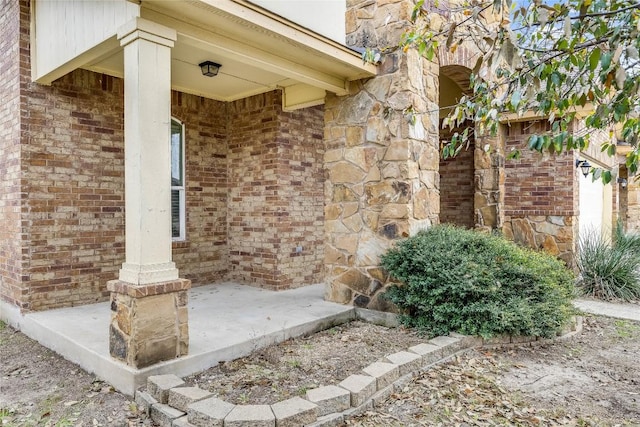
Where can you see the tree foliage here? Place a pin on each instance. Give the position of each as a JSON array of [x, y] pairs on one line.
[[557, 60]]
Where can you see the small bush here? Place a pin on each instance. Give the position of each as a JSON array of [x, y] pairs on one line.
[[609, 270], [457, 280]]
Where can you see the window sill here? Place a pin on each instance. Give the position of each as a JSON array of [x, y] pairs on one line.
[[179, 244]]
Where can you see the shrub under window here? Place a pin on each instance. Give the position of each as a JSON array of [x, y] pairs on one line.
[[458, 280]]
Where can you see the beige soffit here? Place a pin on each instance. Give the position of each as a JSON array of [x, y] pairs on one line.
[[243, 32], [266, 49], [260, 51]]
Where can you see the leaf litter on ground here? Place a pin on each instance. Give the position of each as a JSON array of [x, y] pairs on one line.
[[291, 368]]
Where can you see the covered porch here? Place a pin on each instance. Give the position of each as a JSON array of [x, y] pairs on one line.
[[226, 321], [238, 220]]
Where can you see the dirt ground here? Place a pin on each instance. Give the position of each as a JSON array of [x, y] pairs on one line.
[[295, 366], [40, 388], [590, 380]]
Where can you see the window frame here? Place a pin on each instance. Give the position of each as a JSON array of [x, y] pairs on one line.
[[180, 188]]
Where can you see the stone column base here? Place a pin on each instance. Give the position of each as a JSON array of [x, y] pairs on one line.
[[149, 323]]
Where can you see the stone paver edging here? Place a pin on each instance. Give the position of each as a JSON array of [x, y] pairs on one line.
[[171, 403]]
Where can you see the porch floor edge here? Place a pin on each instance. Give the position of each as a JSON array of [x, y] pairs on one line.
[[226, 321]]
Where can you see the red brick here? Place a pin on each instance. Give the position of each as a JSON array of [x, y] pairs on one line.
[[532, 176], [457, 188]]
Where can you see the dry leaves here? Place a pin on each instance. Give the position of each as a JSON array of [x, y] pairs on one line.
[[588, 381], [463, 392], [291, 368]]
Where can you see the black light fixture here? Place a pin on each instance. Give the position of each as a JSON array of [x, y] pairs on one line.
[[209, 68], [622, 182], [584, 166]]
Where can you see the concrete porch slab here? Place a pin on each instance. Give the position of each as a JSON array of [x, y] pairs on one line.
[[226, 321], [617, 310]]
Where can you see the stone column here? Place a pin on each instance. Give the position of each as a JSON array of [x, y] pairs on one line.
[[148, 302], [630, 203], [381, 157], [489, 179]]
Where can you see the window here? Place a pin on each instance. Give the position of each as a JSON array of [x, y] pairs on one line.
[[177, 181]]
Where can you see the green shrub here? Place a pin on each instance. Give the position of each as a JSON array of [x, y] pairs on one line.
[[457, 280], [609, 269]]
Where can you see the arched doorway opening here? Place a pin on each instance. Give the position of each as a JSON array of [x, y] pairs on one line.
[[457, 186]]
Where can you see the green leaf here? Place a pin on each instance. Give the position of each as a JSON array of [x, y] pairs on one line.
[[557, 144], [605, 60], [429, 53], [562, 44], [597, 172], [594, 59], [514, 154], [516, 97], [416, 10]]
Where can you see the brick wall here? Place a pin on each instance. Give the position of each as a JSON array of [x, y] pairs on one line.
[[537, 184], [70, 171], [457, 189], [254, 212], [541, 196], [275, 193], [203, 256], [255, 193], [11, 53], [301, 153], [73, 171]]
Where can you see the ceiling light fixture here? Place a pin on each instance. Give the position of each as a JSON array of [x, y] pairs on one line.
[[209, 68]]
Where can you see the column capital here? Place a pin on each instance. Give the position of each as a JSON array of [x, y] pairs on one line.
[[144, 274], [139, 28]]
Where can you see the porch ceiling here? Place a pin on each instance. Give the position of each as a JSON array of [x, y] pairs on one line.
[[259, 51]]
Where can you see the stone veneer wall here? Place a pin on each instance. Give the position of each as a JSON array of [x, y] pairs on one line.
[[275, 193], [629, 202], [204, 255], [12, 52], [382, 171], [541, 196], [489, 181]]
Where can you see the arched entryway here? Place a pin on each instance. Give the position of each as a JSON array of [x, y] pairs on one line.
[[457, 185]]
